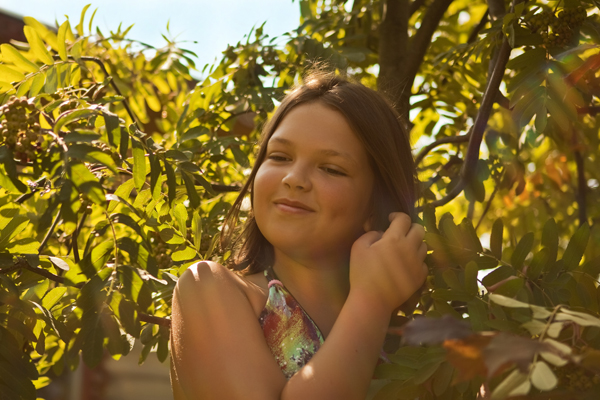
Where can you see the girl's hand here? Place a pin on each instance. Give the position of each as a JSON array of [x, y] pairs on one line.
[[388, 267]]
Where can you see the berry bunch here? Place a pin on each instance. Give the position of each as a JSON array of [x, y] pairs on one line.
[[577, 379], [558, 29], [19, 128]]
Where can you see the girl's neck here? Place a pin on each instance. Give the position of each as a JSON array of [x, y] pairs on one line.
[[314, 280]]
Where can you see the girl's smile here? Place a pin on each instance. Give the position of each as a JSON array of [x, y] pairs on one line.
[[312, 193]]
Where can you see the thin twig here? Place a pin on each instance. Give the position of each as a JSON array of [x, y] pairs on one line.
[[50, 231], [74, 246], [487, 206], [453, 160], [111, 82], [154, 319], [484, 20], [452, 139]]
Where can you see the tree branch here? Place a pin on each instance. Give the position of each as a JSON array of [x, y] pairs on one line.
[[422, 39], [393, 44], [112, 83], [475, 32], [487, 206], [22, 263], [452, 139], [154, 320], [50, 231], [453, 161], [470, 166]]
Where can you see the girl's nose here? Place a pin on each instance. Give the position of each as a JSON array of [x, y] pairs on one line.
[[297, 178]]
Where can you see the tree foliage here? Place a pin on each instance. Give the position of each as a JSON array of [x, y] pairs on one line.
[[117, 167]]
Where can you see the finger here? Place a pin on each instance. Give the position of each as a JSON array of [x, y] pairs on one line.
[[423, 251], [416, 234], [400, 224], [367, 239]]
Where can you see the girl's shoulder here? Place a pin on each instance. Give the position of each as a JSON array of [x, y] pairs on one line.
[[209, 280]]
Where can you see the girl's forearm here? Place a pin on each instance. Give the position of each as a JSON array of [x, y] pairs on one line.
[[343, 367]]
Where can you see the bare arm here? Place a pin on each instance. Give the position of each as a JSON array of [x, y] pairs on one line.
[[219, 351]]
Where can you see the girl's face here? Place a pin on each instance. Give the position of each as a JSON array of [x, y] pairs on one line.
[[312, 193]]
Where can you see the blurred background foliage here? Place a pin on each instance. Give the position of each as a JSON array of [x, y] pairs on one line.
[[118, 165]]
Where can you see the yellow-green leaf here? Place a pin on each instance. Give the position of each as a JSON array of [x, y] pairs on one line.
[[62, 40], [9, 75], [9, 53], [37, 46], [542, 376], [46, 34]]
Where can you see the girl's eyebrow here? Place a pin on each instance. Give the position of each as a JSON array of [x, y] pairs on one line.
[[326, 152]]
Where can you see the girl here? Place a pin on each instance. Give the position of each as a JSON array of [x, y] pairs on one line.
[[328, 253]]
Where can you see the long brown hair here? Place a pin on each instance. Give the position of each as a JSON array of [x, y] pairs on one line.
[[380, 130]]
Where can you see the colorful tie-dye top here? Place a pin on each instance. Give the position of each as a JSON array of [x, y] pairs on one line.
[[291, 334]]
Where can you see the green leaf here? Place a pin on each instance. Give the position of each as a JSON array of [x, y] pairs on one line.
[[511, 287], [550, 238], [542, 376], [87, 183], [16, 225], [9, 179], [72, 116], [183, 255], [180, 214], [496, 238], [576, 247], [37, 46], [535, 57], [470, 238], [81, 136], [37, 84], [113, 128], [9, 75], [452, 280], [171, 181], [91, 154], [127, 221], [139, 164], [122, 192], [471, 270], [521, 251], [197, 230], [9, 53], [79, 26], [46, 34], [194, 133], [62, 40], [442, 378], [539, 263], [191, 189], [53, 297], [497, 275], [93, 338], [515, 384]]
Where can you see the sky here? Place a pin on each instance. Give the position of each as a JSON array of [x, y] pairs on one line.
[[212, 24]]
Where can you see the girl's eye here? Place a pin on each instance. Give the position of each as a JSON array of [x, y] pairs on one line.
[[333, 171], [277, 157]]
